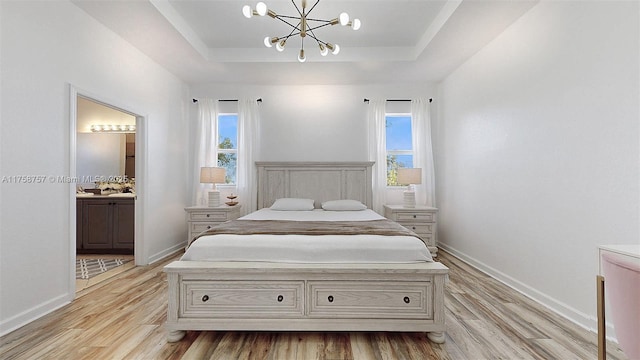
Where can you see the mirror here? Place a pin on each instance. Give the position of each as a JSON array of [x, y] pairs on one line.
[[108, 154]]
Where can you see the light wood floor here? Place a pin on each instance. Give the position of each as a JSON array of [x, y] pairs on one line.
[[123, 317]]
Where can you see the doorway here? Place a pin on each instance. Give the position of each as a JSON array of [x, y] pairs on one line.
[[106, 189]]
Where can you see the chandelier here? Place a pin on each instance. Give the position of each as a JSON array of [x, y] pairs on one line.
[[302, 25]]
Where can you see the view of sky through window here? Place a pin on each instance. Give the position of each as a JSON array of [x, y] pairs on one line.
[[398, 132], [228, 128]]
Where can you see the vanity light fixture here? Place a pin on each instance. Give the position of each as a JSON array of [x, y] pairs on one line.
[[301, 25], [113, 128]]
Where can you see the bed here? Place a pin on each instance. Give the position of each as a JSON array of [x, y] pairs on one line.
[[365, 283]]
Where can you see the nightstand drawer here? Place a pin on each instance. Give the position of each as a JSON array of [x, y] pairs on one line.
[[415, 216], [197, 228], [202, 218], [422, 220], [209, 216], [419, 228]]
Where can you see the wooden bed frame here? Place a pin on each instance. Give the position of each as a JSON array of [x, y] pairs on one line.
[[255, 296]]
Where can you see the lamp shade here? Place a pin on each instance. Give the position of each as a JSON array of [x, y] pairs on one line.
[[212, 175], [408, 176]]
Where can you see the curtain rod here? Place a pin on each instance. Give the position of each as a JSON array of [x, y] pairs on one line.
[[367, 100], [259, 100]]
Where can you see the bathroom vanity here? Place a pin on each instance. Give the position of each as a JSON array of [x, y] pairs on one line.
[[105, 224]]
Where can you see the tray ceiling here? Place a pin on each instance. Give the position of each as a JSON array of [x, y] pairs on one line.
[[399, 42]]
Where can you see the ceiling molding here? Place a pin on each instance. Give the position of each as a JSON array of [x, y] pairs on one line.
[[436, 25], [177, 21]]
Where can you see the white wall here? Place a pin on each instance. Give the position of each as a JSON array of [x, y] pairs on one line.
[[45, 47], [537, 151], [313, 123]]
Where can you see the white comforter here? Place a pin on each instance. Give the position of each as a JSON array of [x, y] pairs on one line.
[[310, 249]]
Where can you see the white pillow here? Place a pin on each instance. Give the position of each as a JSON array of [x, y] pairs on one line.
[[292, 204], [343, 205]]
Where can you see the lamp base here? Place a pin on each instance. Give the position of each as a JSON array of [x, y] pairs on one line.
[[409, 199], [214, 198]]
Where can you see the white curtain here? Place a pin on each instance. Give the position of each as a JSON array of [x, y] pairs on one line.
[[378, 151], [205, 147], [423, 150], [248, 145]]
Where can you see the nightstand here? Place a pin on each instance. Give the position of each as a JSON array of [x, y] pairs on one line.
[[421, 220], [201, 218]]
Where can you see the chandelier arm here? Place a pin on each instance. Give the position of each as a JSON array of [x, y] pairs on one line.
[[317, 27], [296, 27], [286, 37], [319, 20], [292, 32], [297, 9], [313, 36], [289, 17], [314, 5]]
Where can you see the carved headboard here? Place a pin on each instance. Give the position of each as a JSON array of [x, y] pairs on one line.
[[320, 181]]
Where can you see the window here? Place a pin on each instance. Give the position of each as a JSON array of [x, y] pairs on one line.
[[399, 145], [228, 145]]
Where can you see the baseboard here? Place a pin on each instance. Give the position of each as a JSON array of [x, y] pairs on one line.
[[166, 253], [581, 319], [45, 308], [33, 314]]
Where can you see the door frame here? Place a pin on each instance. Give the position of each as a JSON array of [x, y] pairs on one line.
[[141, 168]]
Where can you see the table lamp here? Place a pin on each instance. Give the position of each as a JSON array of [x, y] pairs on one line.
[[409, 177], [212, 175]]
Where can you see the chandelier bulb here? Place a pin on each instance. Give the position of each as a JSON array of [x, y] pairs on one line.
[[356, 24], [323, 50], [336, 49], [280, 45], [247, 12], [344, 19], [301, 57], [267, 42], [261, 8]]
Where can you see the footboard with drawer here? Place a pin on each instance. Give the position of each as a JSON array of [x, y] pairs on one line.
[[305, 297]]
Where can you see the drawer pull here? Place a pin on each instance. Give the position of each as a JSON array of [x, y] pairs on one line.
[[414, 216], [407, 300], [208, 227], [413, 227], [205, 298], [280, 298], [330, 298], [209, 215]]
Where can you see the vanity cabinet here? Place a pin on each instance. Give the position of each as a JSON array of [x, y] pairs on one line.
[[105, 225]]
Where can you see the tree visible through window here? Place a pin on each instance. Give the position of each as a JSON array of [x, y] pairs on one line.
[[399, 145], [228, 145]]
